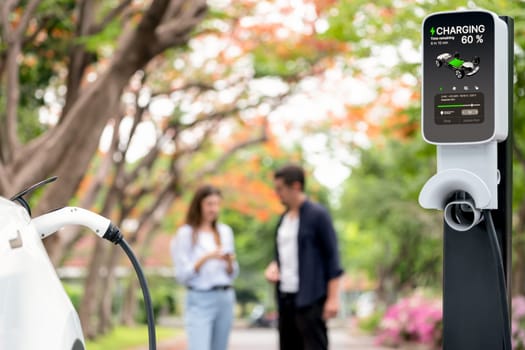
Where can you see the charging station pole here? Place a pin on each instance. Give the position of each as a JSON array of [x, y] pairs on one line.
[[467, 112], [503, 216]]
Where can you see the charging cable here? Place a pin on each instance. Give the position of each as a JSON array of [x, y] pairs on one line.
[[114, 235], [49, 223], [496, 251]]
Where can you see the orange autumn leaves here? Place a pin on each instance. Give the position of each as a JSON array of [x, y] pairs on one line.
[[248, 189], [385, 115], [286, 30]]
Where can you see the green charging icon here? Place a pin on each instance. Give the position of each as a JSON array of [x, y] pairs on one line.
[[460, 66]]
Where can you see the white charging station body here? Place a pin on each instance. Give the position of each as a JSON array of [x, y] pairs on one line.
[[464, 115], [35, 311]]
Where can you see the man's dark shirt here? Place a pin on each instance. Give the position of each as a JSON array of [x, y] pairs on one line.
[[318, 254]]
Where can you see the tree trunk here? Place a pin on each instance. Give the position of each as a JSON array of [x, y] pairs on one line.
[[93, 290], [129, 304], [108, 281], [71, 234], [79, 58], [82, 149], [67, 149]]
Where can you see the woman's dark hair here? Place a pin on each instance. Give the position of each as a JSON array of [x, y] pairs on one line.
[[194, 214], [291, 173]]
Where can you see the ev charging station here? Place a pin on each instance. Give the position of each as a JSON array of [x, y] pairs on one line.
[[467, 113]]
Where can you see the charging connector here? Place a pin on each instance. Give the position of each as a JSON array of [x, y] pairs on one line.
[[461, 213], [49, 223]]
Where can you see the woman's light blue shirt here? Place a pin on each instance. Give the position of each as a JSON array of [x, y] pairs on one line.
[[185, 254]]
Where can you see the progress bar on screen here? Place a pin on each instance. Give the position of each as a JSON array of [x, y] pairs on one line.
[[459, 105]]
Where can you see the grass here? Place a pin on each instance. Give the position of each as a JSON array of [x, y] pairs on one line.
[[123, 338], [371, 323]]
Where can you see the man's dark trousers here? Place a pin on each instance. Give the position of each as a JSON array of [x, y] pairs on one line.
[[301, 328]]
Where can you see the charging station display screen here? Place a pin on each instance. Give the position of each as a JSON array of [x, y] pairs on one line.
[[458, 77], [458, 108]]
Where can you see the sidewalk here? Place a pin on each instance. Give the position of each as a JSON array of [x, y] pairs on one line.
[[242, 338]]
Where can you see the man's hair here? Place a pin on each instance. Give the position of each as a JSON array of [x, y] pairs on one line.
[[291, 173]]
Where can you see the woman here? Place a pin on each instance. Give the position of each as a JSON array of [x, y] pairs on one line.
[[204, 256]]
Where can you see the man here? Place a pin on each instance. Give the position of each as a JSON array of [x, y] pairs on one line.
[[306, 269]]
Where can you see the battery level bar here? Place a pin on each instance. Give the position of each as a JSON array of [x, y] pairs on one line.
[[459, 105]]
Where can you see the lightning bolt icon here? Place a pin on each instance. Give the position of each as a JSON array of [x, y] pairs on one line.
[[432, 31]]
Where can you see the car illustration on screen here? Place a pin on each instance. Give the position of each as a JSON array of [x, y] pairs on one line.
[[460, 67]]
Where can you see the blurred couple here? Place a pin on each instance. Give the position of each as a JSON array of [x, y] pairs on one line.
[[306, 268]]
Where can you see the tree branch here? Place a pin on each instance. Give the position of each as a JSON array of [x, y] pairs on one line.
[[152, 218], [177, 29], [13, 96], [2, 62], [195, 84], [70, 235], [79, 59], [89, 113], [138, 45], [136, 120], [29, 40], [28, 14], [216, 164], [4, 18], [153, 16], [174, 9], [165, 196], [4, 183], [98, 27], [6, 138], [14, 50]]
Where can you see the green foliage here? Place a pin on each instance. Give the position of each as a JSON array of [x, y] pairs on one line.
[[163, 298], [255, 249], [74, 292], [381, 221], [385, 232], [41, 61], [245, 296], [48, 54], [122, 338], [371, 323], [29, 126], [55, 7], [106, 37], [267, 62]]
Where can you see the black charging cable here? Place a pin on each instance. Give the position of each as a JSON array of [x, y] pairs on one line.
[[502, 288], [114, 235]]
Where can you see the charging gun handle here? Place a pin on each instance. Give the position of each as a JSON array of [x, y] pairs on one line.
[[49, 223]]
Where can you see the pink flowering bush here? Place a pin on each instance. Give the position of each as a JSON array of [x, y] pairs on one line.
[[518, 323], [419, 320], [414, 319]]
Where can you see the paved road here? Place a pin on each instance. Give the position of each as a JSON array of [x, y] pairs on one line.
[[341, 338], [263, 339]]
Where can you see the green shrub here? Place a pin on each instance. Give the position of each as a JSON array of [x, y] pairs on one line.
[[122, 338], [163, 299], [75, 292], [370, 324]]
